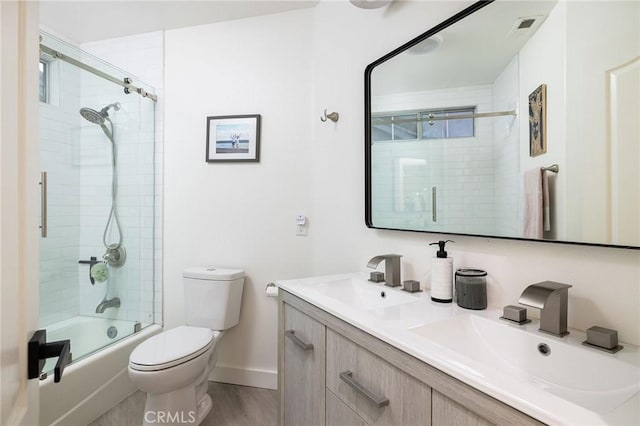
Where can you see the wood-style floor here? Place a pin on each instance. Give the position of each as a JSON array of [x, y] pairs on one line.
[[232, 406]]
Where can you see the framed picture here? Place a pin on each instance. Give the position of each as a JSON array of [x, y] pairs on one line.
[[233, 138], [538, 121]]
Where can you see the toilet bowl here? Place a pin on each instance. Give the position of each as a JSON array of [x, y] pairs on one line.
[[170, 367], [173, 367]]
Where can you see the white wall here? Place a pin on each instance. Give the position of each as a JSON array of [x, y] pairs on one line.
[[289, 68], [542, 60], [239, 215], [506, 152], [590, 56]]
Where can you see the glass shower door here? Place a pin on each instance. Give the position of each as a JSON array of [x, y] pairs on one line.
[[97, 149]]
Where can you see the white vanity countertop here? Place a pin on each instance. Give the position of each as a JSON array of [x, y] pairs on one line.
[[392, 324]]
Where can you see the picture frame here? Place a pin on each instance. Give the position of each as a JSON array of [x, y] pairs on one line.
[[233, 138], [538, 121]]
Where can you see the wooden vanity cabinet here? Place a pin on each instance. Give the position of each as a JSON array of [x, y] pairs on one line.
[[302, 372], [448, 412], [374, 389], [339, 414], [351, 378]]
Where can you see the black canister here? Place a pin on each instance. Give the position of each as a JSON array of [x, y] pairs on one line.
[[471, 288]]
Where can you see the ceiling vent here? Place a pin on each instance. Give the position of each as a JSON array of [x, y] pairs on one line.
[[525, 26]]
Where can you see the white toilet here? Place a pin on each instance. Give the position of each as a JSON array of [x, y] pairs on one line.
[[173, 367]]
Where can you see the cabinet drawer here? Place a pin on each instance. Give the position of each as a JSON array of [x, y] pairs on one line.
[[303, 371], [448, 412], [377, 391], [338, 414]]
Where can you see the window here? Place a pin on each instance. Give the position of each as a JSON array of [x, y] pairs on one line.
[[395, 128], [417, 125], [44, 81], [448, 126]]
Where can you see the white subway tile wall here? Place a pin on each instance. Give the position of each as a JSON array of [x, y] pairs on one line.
[[77, 155], [461, 169], [60, 250], [140, 183]]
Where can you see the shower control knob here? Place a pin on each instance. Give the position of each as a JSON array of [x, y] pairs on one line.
[[115, 256]]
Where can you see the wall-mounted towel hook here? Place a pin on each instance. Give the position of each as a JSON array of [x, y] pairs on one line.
[[333, 116], [554, 168]]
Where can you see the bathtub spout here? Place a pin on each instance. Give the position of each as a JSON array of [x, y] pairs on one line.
[[105, 304]]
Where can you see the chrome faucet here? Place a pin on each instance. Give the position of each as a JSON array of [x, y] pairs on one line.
[[552, 300], [391, 268], [107, 303]]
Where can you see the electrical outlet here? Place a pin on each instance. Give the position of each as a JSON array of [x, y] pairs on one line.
[[301, 230]]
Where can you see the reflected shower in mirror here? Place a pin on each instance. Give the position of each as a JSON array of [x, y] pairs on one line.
[[465, 122]]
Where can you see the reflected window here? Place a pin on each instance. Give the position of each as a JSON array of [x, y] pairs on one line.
[[44, 81], [446, 125], [401, 127], [425, 124]]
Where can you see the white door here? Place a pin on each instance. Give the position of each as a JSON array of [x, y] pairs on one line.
[[19, 206]]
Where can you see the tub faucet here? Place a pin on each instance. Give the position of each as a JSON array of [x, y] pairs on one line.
[[552, 300], [391, 268], [108, 303]]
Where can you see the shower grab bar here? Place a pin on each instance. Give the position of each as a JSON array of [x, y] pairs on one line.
[[43, 204]]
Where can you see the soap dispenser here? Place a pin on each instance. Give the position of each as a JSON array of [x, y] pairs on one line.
[[442, 275]]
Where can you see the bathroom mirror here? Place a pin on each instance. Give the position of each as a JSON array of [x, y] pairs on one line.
[[464, 122]]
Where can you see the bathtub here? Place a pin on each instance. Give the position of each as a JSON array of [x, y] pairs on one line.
[[95, 382]]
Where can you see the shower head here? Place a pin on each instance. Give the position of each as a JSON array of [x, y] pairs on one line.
[[92, 116], [98, 117]]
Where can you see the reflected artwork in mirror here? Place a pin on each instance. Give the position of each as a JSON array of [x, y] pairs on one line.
[[511, 119]]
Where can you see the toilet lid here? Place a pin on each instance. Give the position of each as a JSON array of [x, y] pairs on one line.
[[171, 348]]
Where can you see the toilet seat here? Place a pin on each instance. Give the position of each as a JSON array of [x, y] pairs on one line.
[[172, 347]]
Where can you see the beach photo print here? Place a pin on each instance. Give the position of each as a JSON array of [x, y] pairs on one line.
[[233, 138]]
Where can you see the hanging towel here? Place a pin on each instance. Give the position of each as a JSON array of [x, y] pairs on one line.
[[546, 207], [532, 209]]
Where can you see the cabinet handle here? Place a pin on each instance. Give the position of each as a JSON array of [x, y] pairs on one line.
[[379, 401], [302, 345]]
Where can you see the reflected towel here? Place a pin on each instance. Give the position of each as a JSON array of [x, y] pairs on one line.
[[533, 207], [546, 209]]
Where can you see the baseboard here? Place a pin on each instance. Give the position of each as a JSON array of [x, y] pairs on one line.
[[245, 377]]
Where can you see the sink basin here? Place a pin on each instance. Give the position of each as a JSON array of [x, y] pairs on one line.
[[362, 294], [595, 380]]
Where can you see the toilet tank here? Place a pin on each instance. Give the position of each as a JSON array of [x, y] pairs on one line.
[[212, 297]]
